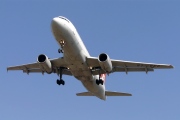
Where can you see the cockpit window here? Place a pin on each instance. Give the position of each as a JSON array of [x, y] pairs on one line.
[[64, 18]]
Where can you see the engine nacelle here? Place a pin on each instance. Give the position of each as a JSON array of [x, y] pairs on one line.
[[105, 62], [44, 63]]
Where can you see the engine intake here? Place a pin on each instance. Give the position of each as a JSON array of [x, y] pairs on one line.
[[105, 62], [103, 57], [44, 63]]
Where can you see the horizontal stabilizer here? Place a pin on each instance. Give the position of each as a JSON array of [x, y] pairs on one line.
[[110, 93], [107, 93], [85, 94]]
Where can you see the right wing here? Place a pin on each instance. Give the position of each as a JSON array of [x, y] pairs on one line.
[[35, 67], [125, 66]]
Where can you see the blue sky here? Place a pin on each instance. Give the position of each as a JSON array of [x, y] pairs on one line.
[[145, 31]]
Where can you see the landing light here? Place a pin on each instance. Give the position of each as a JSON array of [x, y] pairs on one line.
[[62, 41]]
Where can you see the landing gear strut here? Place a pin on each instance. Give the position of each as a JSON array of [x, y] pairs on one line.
[[60, 81]]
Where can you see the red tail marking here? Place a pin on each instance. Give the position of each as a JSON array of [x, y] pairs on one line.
[[103, 77]]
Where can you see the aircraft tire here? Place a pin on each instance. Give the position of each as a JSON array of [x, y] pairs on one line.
[[101, 81], [58, 82], [62, 82], [97, 82]]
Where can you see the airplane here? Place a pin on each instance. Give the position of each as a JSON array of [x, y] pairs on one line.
[[77, 62]]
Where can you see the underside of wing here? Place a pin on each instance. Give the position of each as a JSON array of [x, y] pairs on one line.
[[85, 94], [125, 66], [111, 93], [41, 68], [140, 64]]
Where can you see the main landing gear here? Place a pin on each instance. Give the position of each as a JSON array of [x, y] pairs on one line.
[[60, 70], [100, 81], [60, 81]]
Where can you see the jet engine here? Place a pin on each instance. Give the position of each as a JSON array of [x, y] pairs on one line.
[[44, 63], [105, 62]]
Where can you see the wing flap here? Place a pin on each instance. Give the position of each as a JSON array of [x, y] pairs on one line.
[[64, 72], [120, 69], [125, 69]]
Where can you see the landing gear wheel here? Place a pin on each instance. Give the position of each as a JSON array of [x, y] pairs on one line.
[[60, 51], [59, 82], [62, 82], [97, 82], [100, 81]]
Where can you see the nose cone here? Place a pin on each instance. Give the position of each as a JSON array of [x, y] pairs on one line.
[[57, 25], [55, 21]]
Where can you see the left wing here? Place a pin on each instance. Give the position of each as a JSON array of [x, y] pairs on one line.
[[36, 68], [126, 66]]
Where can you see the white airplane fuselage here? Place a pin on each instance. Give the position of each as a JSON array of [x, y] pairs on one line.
[[76, 61], [75, 54]]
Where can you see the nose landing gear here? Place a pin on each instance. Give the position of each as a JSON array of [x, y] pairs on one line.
[[60, 50], [62, 43]]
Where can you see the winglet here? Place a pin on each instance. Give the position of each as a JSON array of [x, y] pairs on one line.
[[171, 66]]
